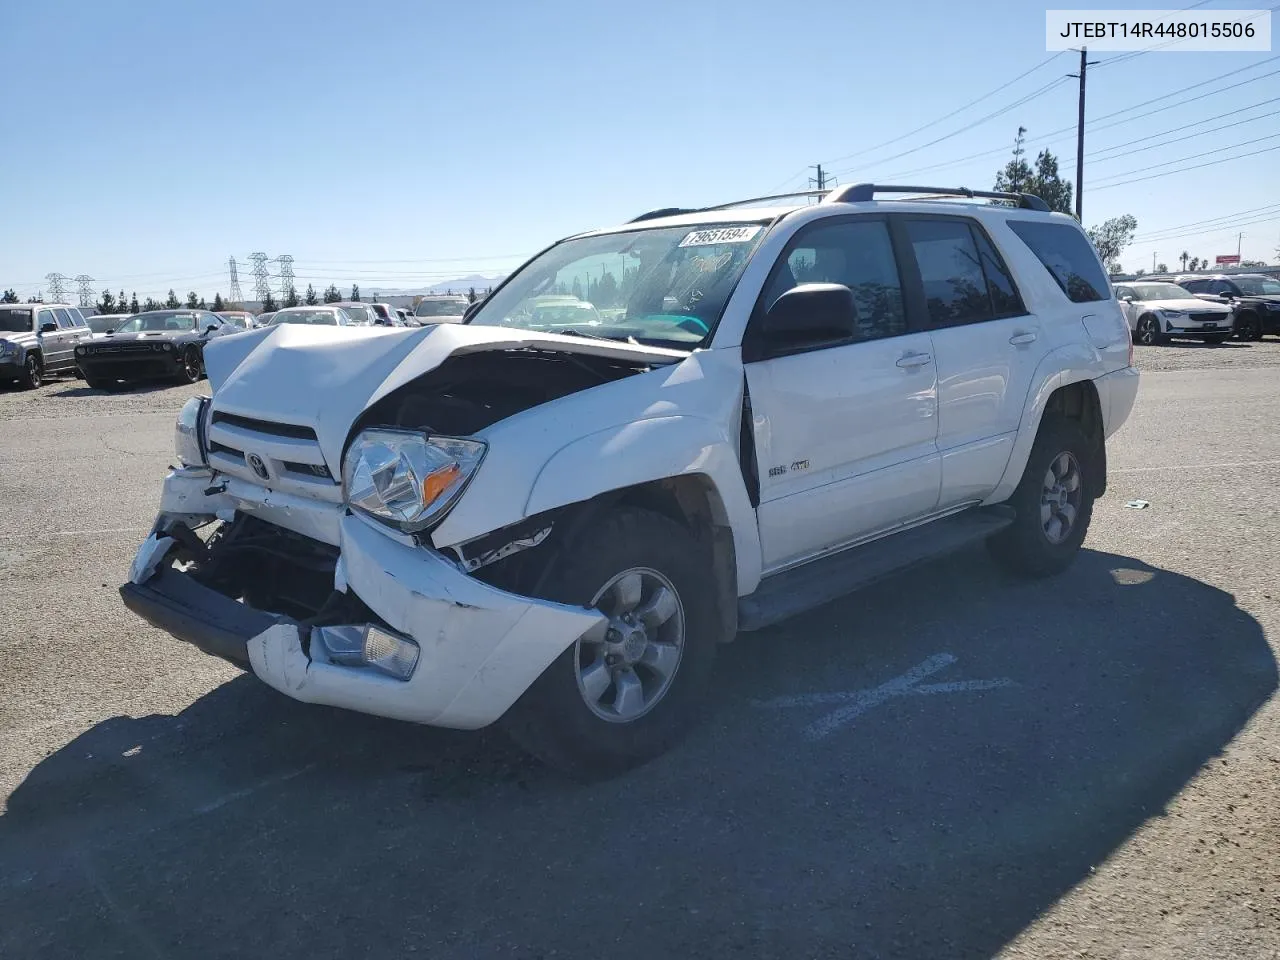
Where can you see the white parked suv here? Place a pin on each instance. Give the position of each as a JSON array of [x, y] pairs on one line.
[[555, 526]]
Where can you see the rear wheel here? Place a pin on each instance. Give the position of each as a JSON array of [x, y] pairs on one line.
[[621, 697], [1148, 333], [1248, 327], [1053, 503], [32, 372]]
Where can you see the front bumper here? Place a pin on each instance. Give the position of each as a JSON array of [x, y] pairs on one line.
[[1195, 328], [10, 367], [481, 647], [124, 366]]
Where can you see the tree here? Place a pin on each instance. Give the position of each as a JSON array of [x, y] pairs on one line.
[[291, 296], [151, 304], [172, 301], [1253, 263], [471, 295], [193, 302], [269, 303], [332, 295], [1194, 265], [202, 305], [10, 296], [355, 292], [133, 303], [121, 303], [108, 302], [1140, 273], [1044, 181], [1162, 268], [218, 305], [1111, 237], [311, 299], [1185, 256]]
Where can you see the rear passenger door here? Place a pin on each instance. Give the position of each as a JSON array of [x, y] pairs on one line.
[[844, 432], [986, 346], [54, 343]]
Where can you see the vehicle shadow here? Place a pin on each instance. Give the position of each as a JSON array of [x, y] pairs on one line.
[[923, 826], [81, 390], [1225, 344]]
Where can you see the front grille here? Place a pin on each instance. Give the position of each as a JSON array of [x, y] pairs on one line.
[[270, 427], [126, 348], [1207, 315]]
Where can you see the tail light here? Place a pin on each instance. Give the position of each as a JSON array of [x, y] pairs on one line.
[[1128, 332]]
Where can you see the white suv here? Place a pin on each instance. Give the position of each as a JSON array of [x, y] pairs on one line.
[[556, 525]]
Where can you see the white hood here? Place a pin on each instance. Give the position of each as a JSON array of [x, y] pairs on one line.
[[1186, 304], [325, 377]]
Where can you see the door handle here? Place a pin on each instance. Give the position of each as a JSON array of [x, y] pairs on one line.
[[1020, 338], [914, 360]]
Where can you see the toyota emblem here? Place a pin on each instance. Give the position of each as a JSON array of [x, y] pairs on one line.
[[259, 466]]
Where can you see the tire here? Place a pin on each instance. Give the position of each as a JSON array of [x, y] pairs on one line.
[[1031, 546], [192, 368], [32, 373], [560, 719], [1248, 327], [1148, 332]]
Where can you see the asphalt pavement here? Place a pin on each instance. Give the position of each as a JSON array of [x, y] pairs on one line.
[[953, 763]]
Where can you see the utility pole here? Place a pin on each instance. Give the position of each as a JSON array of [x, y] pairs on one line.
[[1239, 239], [261, 278], [1084, 66], [86, 293], [1153, 262], [56, 292], [820, 181], [236, 296]]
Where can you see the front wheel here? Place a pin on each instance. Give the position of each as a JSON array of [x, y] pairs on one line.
[[1248, 327], [1148, 333], [32, 373], [619, 697], [1053, 503], [190, 368]]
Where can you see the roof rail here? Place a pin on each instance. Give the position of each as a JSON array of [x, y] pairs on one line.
[[663, 212], [772, 196], [857, 192]]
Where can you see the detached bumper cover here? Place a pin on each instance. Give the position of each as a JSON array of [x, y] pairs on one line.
[[481, 647]]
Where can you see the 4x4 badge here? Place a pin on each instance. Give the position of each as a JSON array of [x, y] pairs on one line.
[[259, 466]]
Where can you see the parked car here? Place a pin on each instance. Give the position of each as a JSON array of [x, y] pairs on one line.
[[240, 318], [441, 309], [559, 530], [406, 317], [263, 319], [362, 314], [330, 315], [38, 340], [1157, 310], [156, 345], [1255, 299], [388, 316], [103, 323]]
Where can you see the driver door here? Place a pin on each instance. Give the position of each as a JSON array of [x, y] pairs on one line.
[[845, 434]]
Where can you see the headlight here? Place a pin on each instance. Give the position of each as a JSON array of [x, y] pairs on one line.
[[6, 348], [81, 351], [406, 478], [189, 432], [1171, 313], [167, 347]]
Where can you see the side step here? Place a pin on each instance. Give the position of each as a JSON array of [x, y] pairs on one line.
[[786, 594]]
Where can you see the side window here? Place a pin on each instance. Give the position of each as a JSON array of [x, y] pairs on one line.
[[955, 288], [1220, 287], [855, 253], [1005, 299], [77, 318], [1068, 256], [1196, 286], [64, 319], [43, 317]]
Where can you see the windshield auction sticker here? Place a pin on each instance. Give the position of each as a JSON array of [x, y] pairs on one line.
[[707, 238], [1158, 30]]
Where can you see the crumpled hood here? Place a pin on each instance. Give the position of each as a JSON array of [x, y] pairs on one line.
[[325, 377]]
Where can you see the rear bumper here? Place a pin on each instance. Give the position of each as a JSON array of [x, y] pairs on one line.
[[480, 647]]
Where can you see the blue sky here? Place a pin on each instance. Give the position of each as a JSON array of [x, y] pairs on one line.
[[397, 143]]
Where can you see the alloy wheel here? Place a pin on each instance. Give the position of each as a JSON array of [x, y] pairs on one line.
[[1060, 497]]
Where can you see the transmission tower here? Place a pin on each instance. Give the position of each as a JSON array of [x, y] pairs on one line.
[[236, 295], [57, 293], [261, 279], [86, 292], [286, 274]]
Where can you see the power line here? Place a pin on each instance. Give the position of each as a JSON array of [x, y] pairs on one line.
[[1210, 163], [1208, 220], [932, 123], [1211, 231], [1190, 136], [1195, 156]]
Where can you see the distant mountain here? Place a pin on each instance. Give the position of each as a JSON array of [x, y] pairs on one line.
[[460, 285]]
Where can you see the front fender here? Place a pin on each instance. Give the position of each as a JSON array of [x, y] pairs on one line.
[[1071, 363], [643, 451]]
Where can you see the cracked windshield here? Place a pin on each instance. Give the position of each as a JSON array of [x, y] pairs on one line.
[[663, 287]]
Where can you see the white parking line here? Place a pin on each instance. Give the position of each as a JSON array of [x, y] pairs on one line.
[[1197, 466], [857, 702]]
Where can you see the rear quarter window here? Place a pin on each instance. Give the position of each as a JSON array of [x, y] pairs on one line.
[[1068, 256]]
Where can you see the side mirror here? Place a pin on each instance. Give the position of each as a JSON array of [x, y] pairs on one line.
[[810, 315], [110, 330], [1127, 298], [48, 328]]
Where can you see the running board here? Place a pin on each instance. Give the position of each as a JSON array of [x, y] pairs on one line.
[[784, 595]]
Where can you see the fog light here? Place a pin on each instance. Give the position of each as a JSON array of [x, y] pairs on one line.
[[364, 645]]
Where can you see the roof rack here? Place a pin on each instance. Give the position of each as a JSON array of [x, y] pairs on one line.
[[663, 212], [772, 196], [858, 192]]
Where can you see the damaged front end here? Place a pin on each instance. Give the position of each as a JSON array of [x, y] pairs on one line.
[[377, 623]]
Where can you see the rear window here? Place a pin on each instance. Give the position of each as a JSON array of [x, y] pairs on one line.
[[1069, 256], [441, 308], [15, 320]]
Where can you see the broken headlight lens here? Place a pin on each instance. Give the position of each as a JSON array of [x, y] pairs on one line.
[[407, 478], [189, 432]]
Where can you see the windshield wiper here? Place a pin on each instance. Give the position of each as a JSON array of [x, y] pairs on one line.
[[567, 332]]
